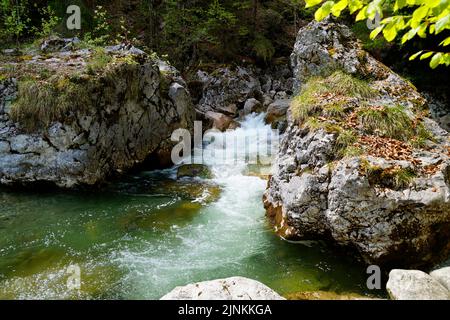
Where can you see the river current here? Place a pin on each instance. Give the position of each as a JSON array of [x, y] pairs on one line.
[[147, 233]]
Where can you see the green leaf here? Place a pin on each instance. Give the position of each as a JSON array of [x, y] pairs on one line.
[[426, 55], [338, 7], [422, 30], [415, 55], [418, 15], [436, 60], [443, 23], [433, 3], [312, 3], [390, 32], [354, 5], [399, 4], [432, 28], [375, 32], [372, 10], [446, 59], [446, 42], [361, 14], [409, 35], [324, 11]]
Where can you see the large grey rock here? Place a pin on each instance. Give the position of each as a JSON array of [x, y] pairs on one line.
[[129, 115], [220, 121], [320, 45], [54, 44], [415, 285], [443, 276], [277, 111], [315, 194], [252, 106], [235, 288]]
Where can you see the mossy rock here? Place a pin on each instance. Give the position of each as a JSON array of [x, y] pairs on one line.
[[325, 295], [194, 170], [188, 190], [260, 171]]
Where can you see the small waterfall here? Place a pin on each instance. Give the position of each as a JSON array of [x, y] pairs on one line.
[[230, 153]]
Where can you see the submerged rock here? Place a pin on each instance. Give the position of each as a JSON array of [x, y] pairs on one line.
[[340, 176], [256, 170], [235, 288], [194, 170], [86, 116], [325, 295], [415, 285]]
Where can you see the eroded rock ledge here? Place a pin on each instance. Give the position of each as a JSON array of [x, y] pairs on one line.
[[74, 118], [344, 172]]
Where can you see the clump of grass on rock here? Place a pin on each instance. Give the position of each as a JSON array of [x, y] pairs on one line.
[[320, 88], [41, 103], [350, 108]]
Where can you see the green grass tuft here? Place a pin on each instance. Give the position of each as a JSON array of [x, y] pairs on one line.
[[387, 121], [338, 83], [98, 61], [394, 178], [41, 103]]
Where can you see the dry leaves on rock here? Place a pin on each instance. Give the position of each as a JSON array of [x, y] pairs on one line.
[[387, 148]]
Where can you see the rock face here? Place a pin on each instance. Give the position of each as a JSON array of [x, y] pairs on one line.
[[235, 288], [388, 200], [324, 45], [415, 285], [440, 110], [114, 117], [224, 87]]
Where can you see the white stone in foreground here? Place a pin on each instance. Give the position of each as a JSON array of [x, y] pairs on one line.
[[235, 288], [415, 285], [443, 276]]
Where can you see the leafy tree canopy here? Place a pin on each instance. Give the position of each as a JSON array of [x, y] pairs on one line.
[[402, 19]]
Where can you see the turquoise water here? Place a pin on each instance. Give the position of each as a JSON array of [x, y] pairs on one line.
[[146, 234]]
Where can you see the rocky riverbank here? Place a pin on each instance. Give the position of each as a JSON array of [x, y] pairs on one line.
[[224, 95], [74, 117], [362, 164]]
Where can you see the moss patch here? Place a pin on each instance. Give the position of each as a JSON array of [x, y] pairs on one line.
[[41, 103], [48, 93], [395, 177], [98, 60]]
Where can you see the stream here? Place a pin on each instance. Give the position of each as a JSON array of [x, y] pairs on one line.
[[147, 233]]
